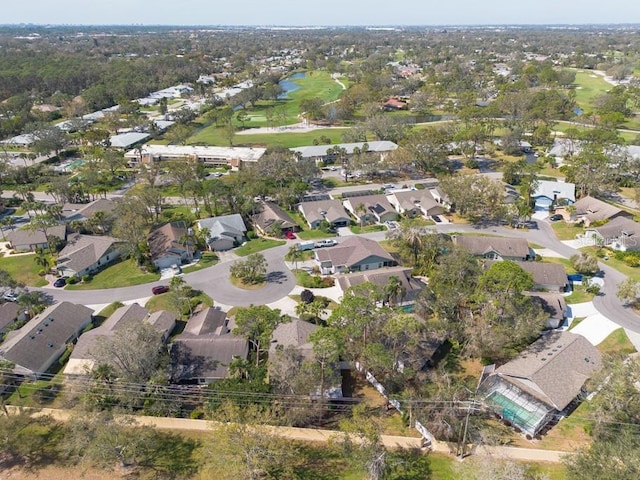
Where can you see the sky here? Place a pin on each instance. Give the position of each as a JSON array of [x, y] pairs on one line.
[[321, 12]]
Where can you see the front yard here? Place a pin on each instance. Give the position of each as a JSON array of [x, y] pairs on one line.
[[367, 228], [565, 231], [23, 269], [258, 245], [122, 274], [207, 259]]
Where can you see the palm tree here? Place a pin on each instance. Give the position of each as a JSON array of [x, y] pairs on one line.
[[293, 255], [394, 291], [361, 211]]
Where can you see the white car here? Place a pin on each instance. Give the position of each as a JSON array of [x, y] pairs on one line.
[[10, 296], [326, 243]]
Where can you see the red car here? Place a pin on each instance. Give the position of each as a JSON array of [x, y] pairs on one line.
[[160, 289], [289, 234]]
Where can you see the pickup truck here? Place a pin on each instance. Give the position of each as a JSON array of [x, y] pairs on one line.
[[325, 243]]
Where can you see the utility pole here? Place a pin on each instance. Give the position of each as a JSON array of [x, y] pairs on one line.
[[462, 446]]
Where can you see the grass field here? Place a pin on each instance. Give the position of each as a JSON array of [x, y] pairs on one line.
[[257, 245], [565, 231], [632, 272], [122, 274], [588, 87], [213, 135], [617, 343], [23, 269]]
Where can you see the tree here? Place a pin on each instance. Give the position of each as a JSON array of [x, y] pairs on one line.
[[135, 354], [585, 263], [294, 254], [25, 439], [394, 291], [250, 271], [476, 197], [181, 293], [34, 302], [327, 347], [307, 296], [361, 443], [242, 447], [628, 290], [257, 324]]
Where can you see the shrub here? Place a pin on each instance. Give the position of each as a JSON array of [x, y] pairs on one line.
[[307, 296], [251, 235], [72, 280], [86, 278]]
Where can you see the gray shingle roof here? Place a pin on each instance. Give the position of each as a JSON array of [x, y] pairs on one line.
[[223, 225], [545, 273], [417, 198], [333, 211], [554, 368], [8, 314], [293, 334], [166, 240], [381, 278], [206, 347], [595, 210], [83, 251], [616, 227], [506, 247], [270, 212], [31, 347], [30, 237], [352, 251], [378, 204]]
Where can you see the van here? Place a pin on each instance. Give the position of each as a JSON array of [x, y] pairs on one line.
[[308, 245]]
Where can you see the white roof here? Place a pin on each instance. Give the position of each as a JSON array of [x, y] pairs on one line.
[[554, 190], [24, 139], [321, 150], [125, 140], [245, 154]]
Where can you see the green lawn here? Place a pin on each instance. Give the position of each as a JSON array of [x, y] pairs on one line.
[[617, 343], [565, 231], [122, 274], [165, 301], [367, 228], [207, 260], [23, 269], [257, 245], [589, 86], [633, 272], [579, 295], [314, 234], [213, 135]]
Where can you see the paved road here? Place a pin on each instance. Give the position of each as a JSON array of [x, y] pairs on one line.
[[214, 281], [323, 436]]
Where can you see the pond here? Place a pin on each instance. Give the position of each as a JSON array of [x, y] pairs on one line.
[[288, 85]]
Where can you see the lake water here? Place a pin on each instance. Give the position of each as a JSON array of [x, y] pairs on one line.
[[288, 85]]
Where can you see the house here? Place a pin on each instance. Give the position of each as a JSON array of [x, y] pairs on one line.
[[40, 342], [548, 194], [326, 153], [494, 248], [85, 211], [82, 358], [621, 233], [553, 304], [293, 334], [9, 313], [271, 215], [127, 140], [203, 351], [381, 277], [330, 210], [355, 254], [551, 277], [84, 254], [543, 381], [442, 198], [235, 157], [223, 232], [25, 240], [413, 203], [169, 245], [589, 210], [375, 208], [393, 105]]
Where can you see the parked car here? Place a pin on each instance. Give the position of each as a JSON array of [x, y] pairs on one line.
[[556, 217], [326, 243], [290, 235], [10, 296], [160, 289], [60, 282], [436, 219]]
